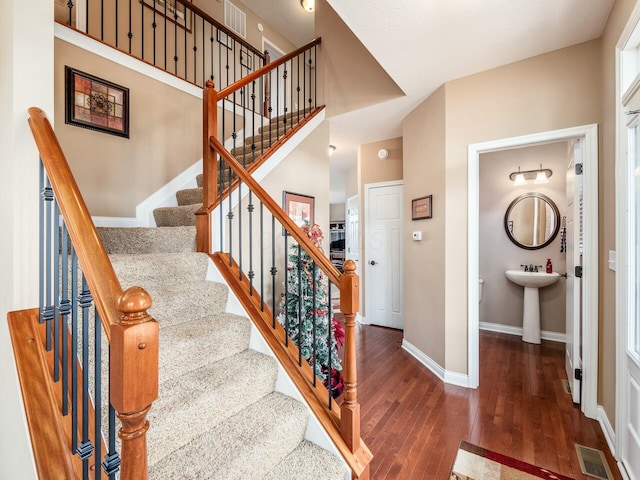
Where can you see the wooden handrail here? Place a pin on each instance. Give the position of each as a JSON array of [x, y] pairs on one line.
[[316, 255], [243, 82], [220, 26], [131, 332], [103, 282]]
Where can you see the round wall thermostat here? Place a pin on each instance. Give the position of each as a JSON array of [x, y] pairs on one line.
[[383, 153]]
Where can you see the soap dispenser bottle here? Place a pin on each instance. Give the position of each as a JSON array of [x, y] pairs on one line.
[[549, 267]]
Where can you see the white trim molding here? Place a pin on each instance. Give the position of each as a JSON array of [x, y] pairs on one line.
[[452, 378], [589, 135], [607, 430], [511, 330]]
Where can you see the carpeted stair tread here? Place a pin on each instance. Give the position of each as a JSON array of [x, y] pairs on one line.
[[308, 462], [199, 180], [183, 302], [243, 447], [176, 216], [155, 269], [189, 196], [191, 345], [195, 403], [253, 149], [148, 239]]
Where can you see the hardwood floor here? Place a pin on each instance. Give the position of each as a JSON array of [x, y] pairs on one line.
[[413, 422]]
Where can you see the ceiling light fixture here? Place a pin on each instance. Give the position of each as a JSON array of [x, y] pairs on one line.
[[332, 148], [308, 5], [538, 176]]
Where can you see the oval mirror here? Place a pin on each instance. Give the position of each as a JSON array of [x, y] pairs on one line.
[[532, 221]]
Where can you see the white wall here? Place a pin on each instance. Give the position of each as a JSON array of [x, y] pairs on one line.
[[26, 79], [502, 300]]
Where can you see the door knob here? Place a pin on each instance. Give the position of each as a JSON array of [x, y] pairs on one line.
[[372, 262]]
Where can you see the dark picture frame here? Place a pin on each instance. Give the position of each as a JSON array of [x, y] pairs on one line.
[[300, 208], [95, 103], [422, 208], [176, 12]]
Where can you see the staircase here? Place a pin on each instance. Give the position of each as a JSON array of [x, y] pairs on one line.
[[190, 200], [218, 414]]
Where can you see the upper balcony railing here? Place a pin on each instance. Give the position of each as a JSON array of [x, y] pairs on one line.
[[173, 35]]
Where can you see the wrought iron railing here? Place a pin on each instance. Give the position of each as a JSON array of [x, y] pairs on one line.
[[285, 281], [175, 36], [102, 345]]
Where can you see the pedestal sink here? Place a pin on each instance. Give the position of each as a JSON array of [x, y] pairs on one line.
[[532, 282]]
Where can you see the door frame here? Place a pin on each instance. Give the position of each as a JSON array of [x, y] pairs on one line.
[[589, 134], [627, 84], [363, 241]]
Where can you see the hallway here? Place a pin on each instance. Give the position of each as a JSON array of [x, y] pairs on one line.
[[412, 422]]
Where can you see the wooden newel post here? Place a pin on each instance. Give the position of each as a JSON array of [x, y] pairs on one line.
[[209, 168], [349, 306], [134, 378]]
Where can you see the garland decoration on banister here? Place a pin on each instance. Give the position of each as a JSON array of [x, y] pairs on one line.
[[300, 284]]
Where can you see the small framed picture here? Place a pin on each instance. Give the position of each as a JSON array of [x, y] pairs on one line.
[[96, 104], [421, 208], [225, 40], [300, 208]]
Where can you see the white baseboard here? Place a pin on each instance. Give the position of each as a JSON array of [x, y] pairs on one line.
[[511, 330], [452, 378], [607, 430]]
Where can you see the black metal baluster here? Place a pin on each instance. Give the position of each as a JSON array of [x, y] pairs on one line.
[[315, 78], [261, 257], [49, 301], [154, 25], [175, 42], [315, 322], [43, 235], [165, 36], [253, 121], [251, 272], [274, 271], [70, 7], [286, 288], [195, 49], [56, 292], [298, 88], [130, 33], [186, 61], [204, 69], [117, 21], [212, 47], [240, 249], [65, 310], [300, 300], [230, 217], [142, 47], [304, 79], [85, 448], [278, 112], [111, 464], [330, 344], [311, 101], [74, 350], [86, 17], [102, 20], [97, 400]]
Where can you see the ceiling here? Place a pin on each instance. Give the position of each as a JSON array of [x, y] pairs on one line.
[[423, 44]]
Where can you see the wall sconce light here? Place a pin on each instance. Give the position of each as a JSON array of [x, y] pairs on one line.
[[332, 148], [308, 5], [538, 176]]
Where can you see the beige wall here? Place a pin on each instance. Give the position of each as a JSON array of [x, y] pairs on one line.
[[337, 211], [424, 172], [115, 173], [350, 77], [502, 300], [548, 92], [607, 333], [372, 169], [351, 182]]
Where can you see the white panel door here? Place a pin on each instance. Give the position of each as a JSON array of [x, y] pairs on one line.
[[573, 357], [383, 252]]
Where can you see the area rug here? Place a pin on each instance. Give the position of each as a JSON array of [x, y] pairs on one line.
[[476, 463]]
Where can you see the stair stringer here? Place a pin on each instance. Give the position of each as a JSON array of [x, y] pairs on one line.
[[260, 173], [315, 433]]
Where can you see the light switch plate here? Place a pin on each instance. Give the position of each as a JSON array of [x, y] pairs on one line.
[[417, 236], [612, 260]]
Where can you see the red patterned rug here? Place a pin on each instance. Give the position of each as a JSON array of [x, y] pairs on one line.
[[475, 463]]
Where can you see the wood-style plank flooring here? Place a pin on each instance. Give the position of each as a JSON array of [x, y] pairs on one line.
[[413, 422]]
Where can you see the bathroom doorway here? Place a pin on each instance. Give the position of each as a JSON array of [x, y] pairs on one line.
[[589, 302]]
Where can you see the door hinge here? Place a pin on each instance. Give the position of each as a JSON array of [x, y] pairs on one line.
[[577, 374], [578, 169], [578, 272]]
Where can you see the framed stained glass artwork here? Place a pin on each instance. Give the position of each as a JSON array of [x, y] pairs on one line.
[[97, 104]]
